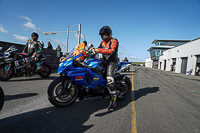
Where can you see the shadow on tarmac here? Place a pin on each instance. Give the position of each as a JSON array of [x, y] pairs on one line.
[[29, 79], [70, 119], [144, 91], [19, 96]]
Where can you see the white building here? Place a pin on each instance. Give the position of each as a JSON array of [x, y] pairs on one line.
[[148, 63], [182, 59], [160, 46]]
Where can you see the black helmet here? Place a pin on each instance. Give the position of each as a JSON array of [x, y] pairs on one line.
[[85, 42], [34, 36], [105, 29]]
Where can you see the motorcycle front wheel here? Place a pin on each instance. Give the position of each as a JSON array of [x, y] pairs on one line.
[[2, 98], [62, 92], [6, 75]]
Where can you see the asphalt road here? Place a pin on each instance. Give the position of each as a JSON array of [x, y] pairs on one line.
[[161, 102], [166, 102]]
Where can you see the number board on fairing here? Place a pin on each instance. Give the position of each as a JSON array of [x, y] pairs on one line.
[[22, 61]]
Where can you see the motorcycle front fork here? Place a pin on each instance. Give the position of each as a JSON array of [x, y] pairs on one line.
[[67, 84], [7, 68]]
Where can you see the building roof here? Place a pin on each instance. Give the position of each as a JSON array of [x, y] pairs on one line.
[[160, 47], [196, 39], [155, 41]]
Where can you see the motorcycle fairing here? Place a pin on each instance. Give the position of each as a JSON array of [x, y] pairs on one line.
[[93, 62], [67, 64]]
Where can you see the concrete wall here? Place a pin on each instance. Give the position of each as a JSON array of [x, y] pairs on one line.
[[189, 50], [52, 59]]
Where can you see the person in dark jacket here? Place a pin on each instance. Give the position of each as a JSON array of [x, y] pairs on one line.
[[34, 47], [49, 46], [109, 50]]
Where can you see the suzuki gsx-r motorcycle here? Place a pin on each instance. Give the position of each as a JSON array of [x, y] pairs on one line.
[[82, 80], [12, 63]]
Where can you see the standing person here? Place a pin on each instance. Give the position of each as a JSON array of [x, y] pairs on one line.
[[33, 47], [49, 46], [58, 48], [109, 50]]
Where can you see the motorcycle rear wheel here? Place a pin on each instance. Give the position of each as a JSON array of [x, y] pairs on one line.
[[123, 87], [60, 97], [46, 72], [5, 76]]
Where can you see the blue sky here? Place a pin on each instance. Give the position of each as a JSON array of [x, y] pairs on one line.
[[135, 23]]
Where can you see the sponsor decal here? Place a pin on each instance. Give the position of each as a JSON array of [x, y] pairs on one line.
[[69, 59], [22, 61], [16, 63], [78, 78], [96, 78]]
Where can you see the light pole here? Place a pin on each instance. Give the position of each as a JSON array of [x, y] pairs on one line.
[[67, 32]]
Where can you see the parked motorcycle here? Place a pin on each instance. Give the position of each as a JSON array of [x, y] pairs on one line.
[[124, 66], [84, 80], [2, 98], [13, 63]]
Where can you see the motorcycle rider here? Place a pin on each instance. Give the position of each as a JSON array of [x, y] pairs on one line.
[[34, 47], [109, 50], [126, 59], [80, 48]]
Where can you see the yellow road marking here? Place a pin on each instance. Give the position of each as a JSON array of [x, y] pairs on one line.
[[133, 116]]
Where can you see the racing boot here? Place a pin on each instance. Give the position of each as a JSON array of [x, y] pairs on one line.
[[112, 105]]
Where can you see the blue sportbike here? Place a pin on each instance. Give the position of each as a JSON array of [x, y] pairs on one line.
[[84, 79], [124, 66]]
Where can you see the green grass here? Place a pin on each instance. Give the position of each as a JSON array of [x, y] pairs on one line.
[[143, 63]]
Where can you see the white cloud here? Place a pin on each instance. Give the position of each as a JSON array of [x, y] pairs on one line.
[[121, 53], [122, 47], [76, 36], [30, 25], [133, 57], [3, 30], [20, 38], [26, 18], [56, 41]]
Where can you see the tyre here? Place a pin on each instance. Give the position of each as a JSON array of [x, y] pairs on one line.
[[5, 76], [2, 98], [46, 70], [123, 87], [62, 92]]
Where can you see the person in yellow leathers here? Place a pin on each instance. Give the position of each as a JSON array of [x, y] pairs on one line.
[[80, 48]]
